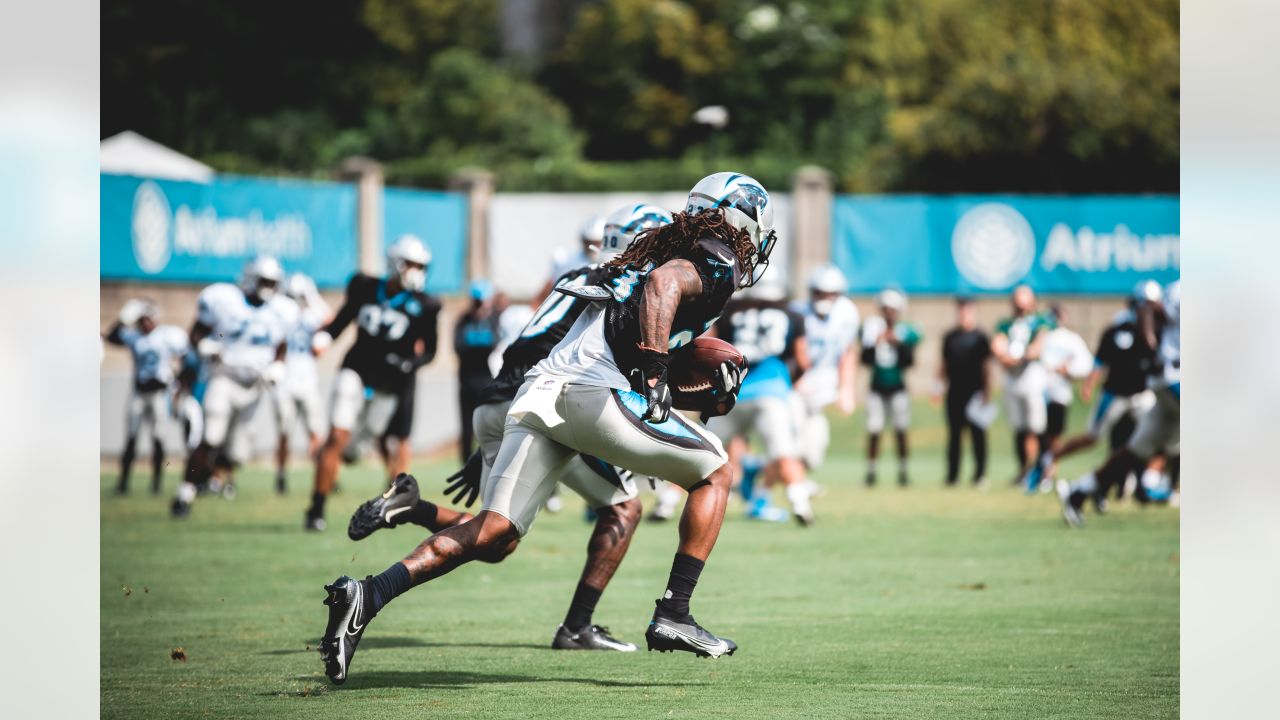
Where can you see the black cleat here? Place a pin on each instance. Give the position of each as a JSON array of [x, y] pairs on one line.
[[282, 484], [313, 523], [179, 509], [381, 511], [592, 637], [805, 519], [348, 618], [666, 634]]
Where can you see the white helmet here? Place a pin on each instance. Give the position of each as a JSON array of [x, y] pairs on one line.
[[403, 255], [892, 299], [746, 206], [624, 224], [1147, 291], [261, 276], [300, 288], [592, 236], [827, 278]]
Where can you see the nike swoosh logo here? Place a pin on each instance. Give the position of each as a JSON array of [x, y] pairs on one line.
[[392, 513], [352, 627], [721, 645], [727, 260]]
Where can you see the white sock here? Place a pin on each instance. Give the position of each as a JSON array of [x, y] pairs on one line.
[[798, 496], [187, 492]]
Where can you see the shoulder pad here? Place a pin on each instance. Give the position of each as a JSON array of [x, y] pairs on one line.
[[590, 293]]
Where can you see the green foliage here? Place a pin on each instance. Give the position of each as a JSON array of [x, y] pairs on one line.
[[923, 95]]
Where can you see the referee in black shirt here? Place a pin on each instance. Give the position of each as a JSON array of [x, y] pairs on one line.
[[966, 352]]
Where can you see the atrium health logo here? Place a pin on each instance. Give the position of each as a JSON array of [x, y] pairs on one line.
[[151, 221], [993, 246]]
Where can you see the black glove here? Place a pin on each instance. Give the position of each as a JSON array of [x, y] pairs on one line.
[[653, 366], [724, 389], [466, 481]]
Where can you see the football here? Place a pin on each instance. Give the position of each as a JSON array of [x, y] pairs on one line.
[[693, 370]]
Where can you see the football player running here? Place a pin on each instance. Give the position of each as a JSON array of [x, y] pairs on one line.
[[831, 323], [241, 332], [609, 491], [889, 349], [771, 337], [1126, 361], [155, 349], [298, 397], [1016, 345], [1157, 432], [396, 335], [603, 391]]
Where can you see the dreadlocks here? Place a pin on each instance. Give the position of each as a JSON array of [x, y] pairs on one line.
[[662, 243]]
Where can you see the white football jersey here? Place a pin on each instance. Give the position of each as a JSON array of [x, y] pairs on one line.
[[584, 356], [1169, 352], [828, 339], [155, 353], [1062, 347], [300, 361], [249, 334]]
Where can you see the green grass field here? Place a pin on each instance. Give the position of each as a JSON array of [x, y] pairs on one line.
[[925, 602]]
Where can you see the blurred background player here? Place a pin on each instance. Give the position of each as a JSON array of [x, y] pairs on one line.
[[298, 397], [608, 491], [965, 374], [1159, 328], [771, 337], [889, 349], [831, 324], [474, 339], [1066, 358], [155, 349], [1126, 362], [396, 334], [1016, 346], [242, 332], [565, 259]]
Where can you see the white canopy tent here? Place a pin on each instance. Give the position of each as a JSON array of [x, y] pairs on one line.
[[129, 153]]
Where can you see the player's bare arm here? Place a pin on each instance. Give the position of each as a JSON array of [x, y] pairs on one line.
[[667, 287]]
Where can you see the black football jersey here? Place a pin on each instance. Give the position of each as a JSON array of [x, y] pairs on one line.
[[387, 325], [720, 271], [548, 326], [1127, 358], [761, 329]]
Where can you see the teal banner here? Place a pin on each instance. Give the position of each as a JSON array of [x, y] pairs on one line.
[[989, 243], [189, 232]]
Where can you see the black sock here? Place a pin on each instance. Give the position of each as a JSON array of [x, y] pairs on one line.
[[317, 504], [684, 577], [582, 607], [424, 514], [386, 585]]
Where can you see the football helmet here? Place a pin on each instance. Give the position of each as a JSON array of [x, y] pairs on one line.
[[827, 278], [624, 224], [1147, 291], [746, 206], [408, 259], [261, 276], [300, 288], [592, 236], [892, 299]]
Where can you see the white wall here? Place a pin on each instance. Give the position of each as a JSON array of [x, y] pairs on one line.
[[525, 228]]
